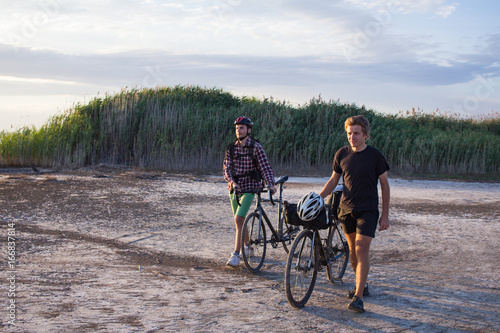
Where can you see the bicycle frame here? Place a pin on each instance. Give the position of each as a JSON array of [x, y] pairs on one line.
[[255, 236], [323, 249], [334, 228], [277, 235]]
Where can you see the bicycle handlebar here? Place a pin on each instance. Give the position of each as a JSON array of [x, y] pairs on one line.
[[271, 197], [280, 182], [237, 197]]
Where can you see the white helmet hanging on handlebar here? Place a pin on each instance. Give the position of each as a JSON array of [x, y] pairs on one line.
[[309, 206]]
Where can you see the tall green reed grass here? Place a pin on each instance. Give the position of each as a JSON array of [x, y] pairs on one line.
[[186, 129]]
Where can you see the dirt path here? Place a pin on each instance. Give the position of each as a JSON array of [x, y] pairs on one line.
[[120, 250]]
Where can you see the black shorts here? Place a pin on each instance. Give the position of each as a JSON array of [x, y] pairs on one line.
[[362, 222]]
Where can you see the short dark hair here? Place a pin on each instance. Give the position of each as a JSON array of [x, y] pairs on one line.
[[358, 120]]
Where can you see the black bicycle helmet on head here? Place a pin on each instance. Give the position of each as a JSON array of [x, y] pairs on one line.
[[243, 120]]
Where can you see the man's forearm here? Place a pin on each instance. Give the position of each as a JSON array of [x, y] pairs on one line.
[[330, 185], [386, 197]]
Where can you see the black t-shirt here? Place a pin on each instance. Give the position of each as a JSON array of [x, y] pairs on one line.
[[360, 171]]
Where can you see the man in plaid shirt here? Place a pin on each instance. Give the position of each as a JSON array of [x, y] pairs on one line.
[[244, 165]]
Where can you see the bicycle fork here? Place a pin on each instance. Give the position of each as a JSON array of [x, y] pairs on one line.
[[309, 265]]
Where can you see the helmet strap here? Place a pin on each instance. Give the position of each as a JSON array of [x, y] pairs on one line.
[[239, 140]]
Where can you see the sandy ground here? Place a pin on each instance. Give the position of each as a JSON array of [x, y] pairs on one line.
[[113, 250]]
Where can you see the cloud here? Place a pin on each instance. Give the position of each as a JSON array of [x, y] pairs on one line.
[[151, 68], [256, 28], [445, 10], [439, 7], [346, 47]]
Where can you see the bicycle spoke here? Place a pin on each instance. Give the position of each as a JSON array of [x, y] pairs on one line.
[[301, 269], [253, 256], [338, 254]]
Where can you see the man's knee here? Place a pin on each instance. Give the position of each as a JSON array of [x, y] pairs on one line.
[[362, 251], [238, 220], [363, 245]]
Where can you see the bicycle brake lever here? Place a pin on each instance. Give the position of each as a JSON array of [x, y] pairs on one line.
[[237, 197]]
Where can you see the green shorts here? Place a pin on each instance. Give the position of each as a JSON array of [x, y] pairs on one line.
[[246, 200]]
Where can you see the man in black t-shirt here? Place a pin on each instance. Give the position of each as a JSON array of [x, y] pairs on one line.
[[361, 167]]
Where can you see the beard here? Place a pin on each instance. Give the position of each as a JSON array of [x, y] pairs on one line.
[[241, 136]]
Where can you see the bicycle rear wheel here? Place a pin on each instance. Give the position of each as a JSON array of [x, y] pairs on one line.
[[301, 269], [338, 255], [254, 258], [284, 234]]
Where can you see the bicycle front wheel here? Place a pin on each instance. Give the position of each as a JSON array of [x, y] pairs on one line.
[[254, 255], [301, 269], [288, 233], [338, 256], [284, 235]]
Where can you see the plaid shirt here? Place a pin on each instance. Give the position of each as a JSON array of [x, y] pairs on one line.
[[244, 164]]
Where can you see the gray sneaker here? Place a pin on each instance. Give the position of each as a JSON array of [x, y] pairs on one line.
[[356, 305], [234, 261]]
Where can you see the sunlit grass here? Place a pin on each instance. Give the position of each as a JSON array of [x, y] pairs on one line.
[[188, 128]]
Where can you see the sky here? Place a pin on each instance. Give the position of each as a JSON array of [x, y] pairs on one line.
[[389, 56]]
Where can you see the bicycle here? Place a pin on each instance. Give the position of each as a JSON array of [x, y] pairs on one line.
[[310, 251], [255, 227]]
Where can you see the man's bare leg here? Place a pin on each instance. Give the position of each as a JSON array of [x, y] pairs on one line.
[[351, 241], [362, 249], [359, 251], [238, 222]]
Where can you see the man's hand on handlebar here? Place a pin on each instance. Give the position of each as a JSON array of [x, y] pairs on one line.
[[272, 189], [233, 187]]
